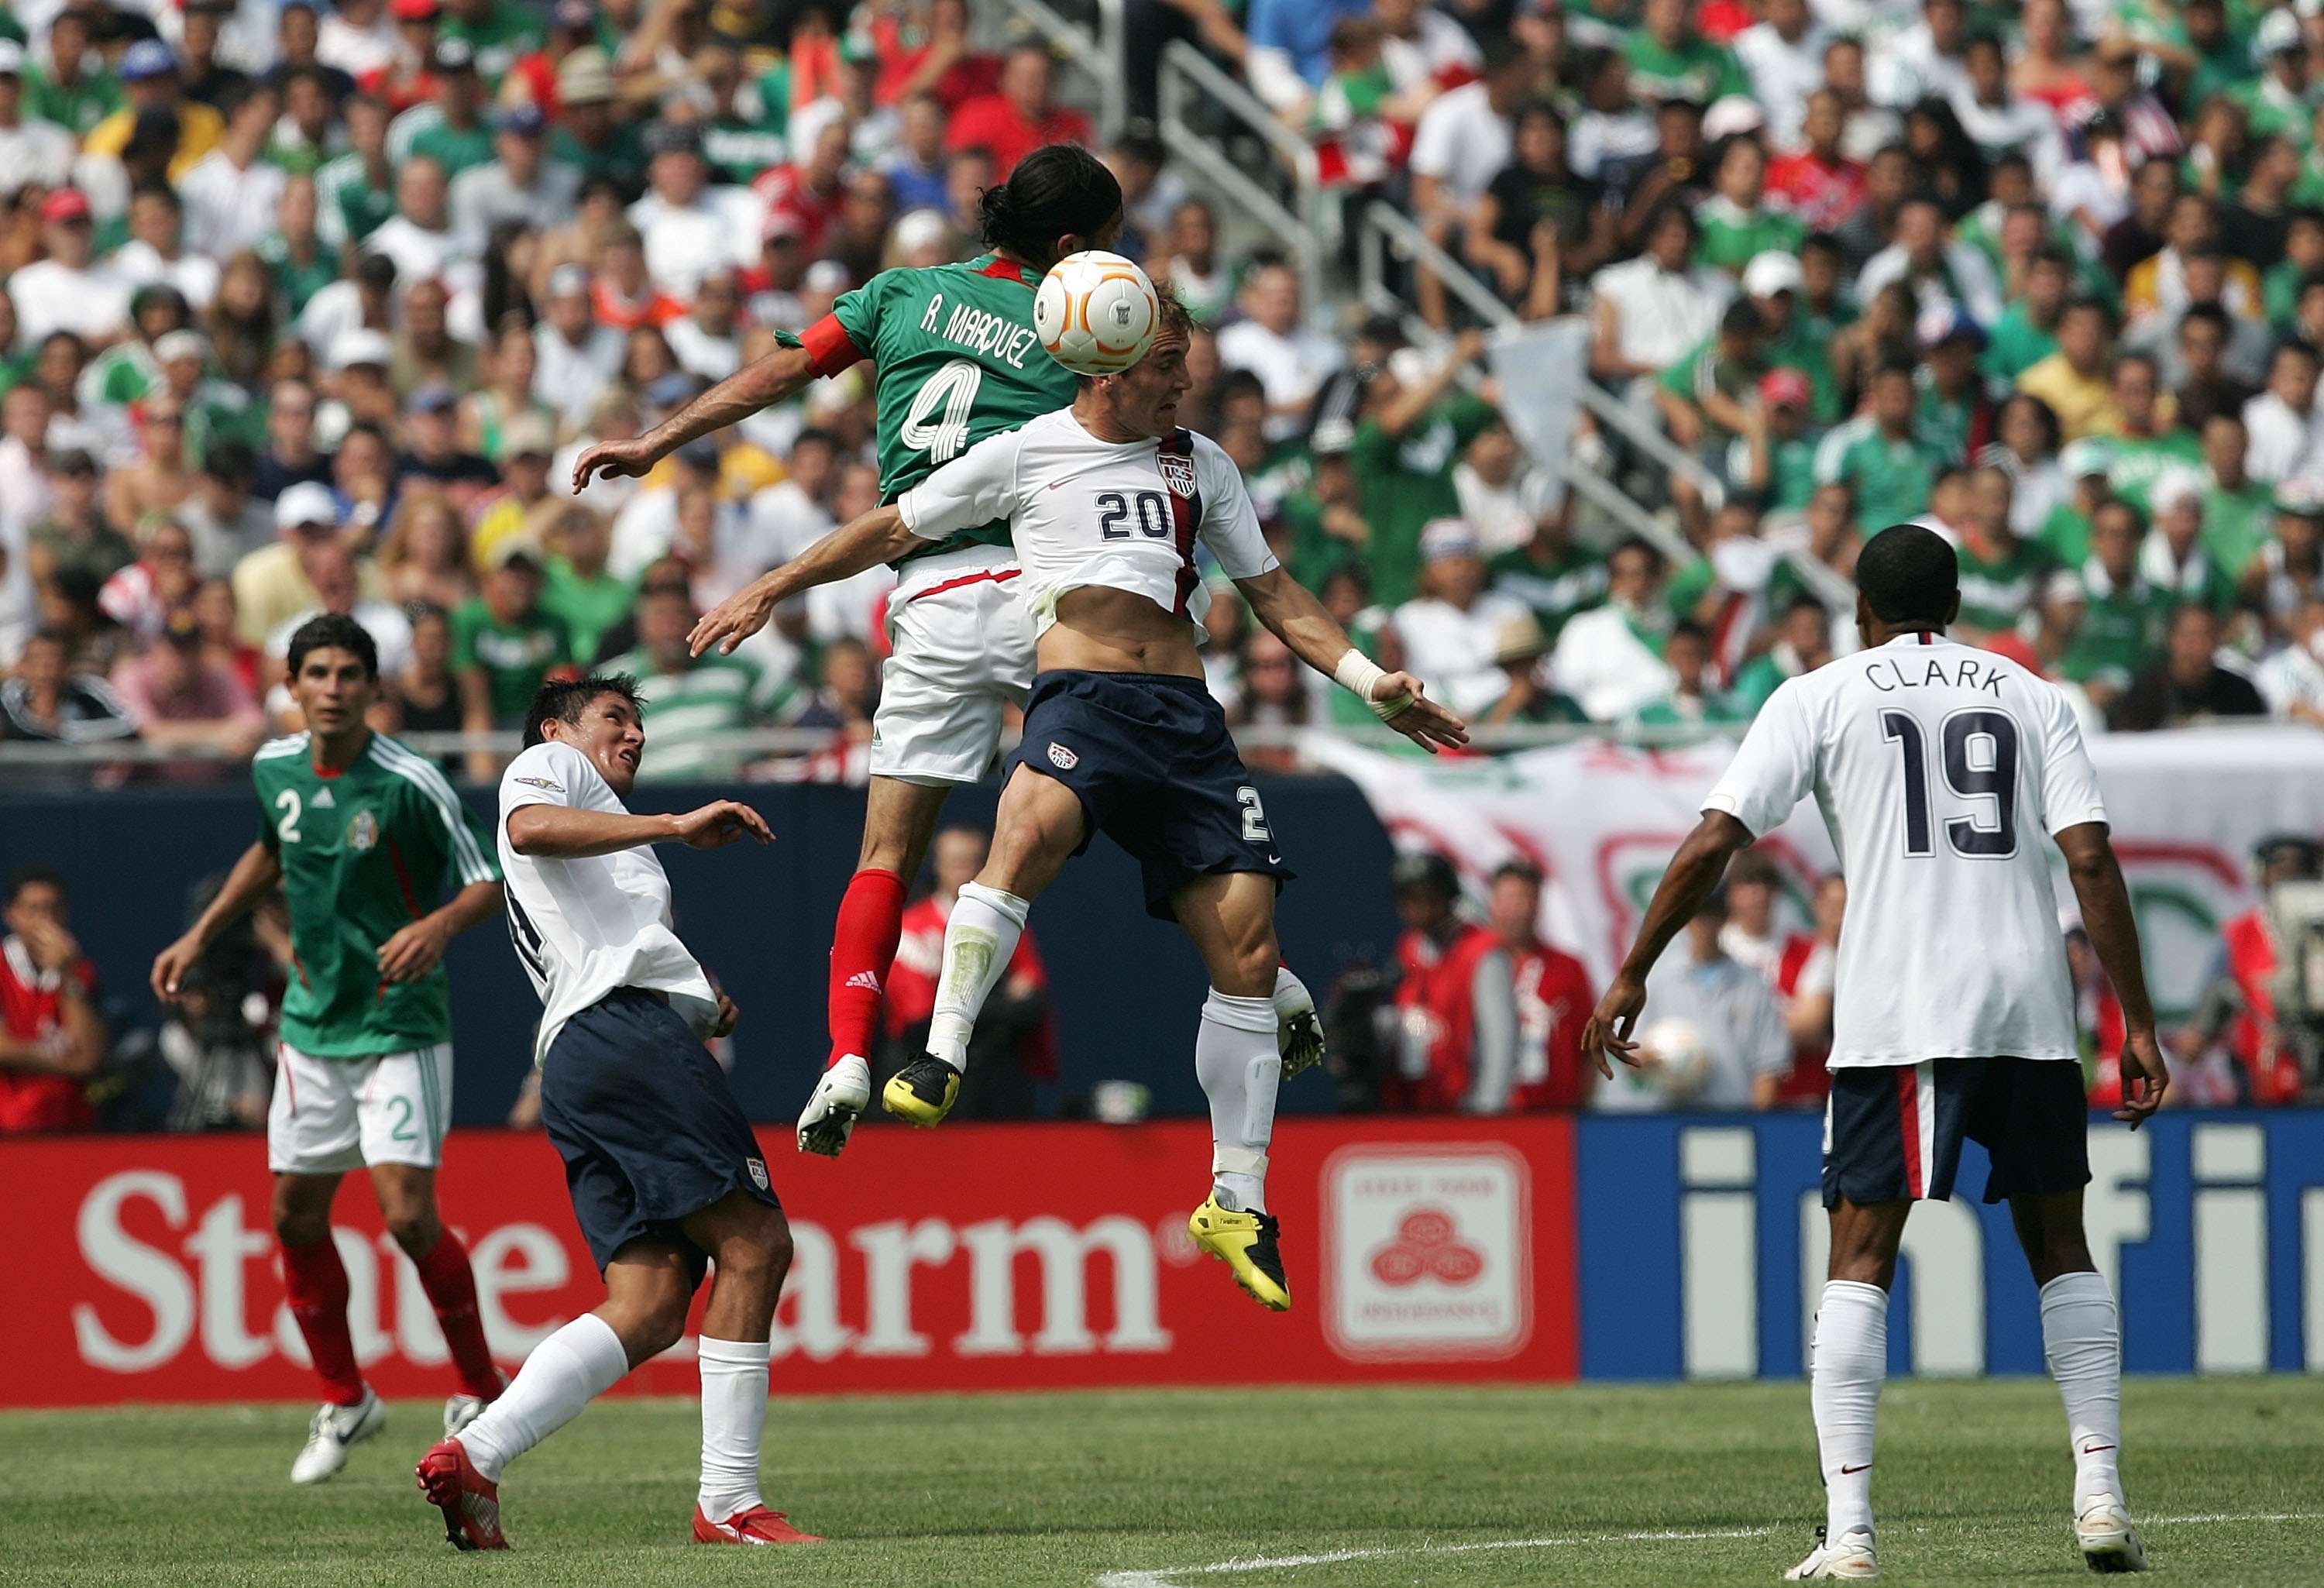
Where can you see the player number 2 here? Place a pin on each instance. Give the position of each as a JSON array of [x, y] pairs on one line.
[[287, 802], [1254, 816], [1978, 749], [952, 389], [1115, 509]]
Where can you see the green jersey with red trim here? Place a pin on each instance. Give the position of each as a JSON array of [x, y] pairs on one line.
[[364, 852], [957, 361]]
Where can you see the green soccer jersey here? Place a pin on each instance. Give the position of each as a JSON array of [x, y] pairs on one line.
[[957, 361], [1995, 591], [1892, 476], [2140, 461], [364, 853]]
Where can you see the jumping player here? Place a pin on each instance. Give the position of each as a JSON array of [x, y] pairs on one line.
[[957, 361], [1939, 770], [362, 835], [664, 1171], [1105, 501]]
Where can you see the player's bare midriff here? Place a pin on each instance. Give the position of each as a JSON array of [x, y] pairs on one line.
[[1101, 629]]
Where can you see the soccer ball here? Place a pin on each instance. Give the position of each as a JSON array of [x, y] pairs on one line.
[[1096, 313], [1685, 1058]]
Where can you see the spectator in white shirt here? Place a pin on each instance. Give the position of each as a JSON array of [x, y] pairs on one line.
[[1501, 492], [65, 292], [231, 192], [1783, 53], [357, 37], [521, 184], [419, 237], [1465, 138], [577, 356], [1608, 660], [689, 227], [1290, 361], [1939, 271], [156, 253], [2291, 679], [2283, 424], [1451, 630], [1923, 61], [31, 151], [707, 341], [1648, 311]]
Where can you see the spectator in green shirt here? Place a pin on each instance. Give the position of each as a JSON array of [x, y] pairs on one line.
[[2236, 508], [1803, 644], [71, 88], [450, 128], [1414, 428], [1891, 468], [2002, 575], [504, 645], [1670, 60], [2120, 632], [1707, 398], [2086, 465], [1775, 458], [1551, 574], [575, 588], [1737, 225], [2027, 331], [2173, 556], [1693, 695], [692, 705]]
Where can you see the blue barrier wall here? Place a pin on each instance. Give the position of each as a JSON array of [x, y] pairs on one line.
[[1126, 989], [1702, 1256]]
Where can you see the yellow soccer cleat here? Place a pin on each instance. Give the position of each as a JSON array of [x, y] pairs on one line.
[[923, 1092], [1245, 1242]]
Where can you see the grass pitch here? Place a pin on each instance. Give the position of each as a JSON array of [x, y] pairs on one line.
[[1262, 1489]]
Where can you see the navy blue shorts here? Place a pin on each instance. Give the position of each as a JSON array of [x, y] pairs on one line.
[[646, 1122], [1157, 772], [1892, 1133]]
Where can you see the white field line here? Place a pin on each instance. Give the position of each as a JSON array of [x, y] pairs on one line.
[[1163, 1578]]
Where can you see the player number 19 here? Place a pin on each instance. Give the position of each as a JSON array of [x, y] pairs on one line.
[[1959, 753]]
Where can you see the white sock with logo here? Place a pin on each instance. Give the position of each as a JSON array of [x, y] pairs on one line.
[[1240, 1067], [1291, 994], [734, 1411], [1849, 1364], [565, 1372], [979, 940], [2081, 1337]]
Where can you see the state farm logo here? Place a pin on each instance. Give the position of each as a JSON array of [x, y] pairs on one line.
[[1427, 1246], [1427, 1253]]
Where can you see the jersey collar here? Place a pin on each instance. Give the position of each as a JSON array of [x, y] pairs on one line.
[[1007, 270], [1917, 637]]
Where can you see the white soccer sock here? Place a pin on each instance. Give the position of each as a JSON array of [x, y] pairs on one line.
[[979, 940], [2081, 1337], [565, 1372], [1850, 1362], [1240, 1067], [733, 1410], [1291, 994]]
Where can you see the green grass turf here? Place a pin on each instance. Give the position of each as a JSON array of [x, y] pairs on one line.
[[1029, 1491]]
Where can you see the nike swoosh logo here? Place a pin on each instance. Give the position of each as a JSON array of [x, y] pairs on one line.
[[1851, 1471], [1275, 859], [2095, 1449]]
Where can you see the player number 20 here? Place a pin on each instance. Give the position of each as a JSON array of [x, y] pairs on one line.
[[1965, 739], [1115, 509]]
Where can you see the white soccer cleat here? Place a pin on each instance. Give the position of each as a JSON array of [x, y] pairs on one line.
[[843, 1091], [2109, 1543], [1851, 1558], [463, 1409], [332, 1430], [1298, 1032]]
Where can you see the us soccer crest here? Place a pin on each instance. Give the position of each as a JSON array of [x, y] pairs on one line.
[[758, 1168], [362, 831], [1177, 473], [1062, 759]]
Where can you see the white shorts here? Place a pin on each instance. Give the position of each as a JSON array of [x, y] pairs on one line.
[[330, 1115], [963, 652]]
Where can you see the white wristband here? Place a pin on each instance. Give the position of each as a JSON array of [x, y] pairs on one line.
[[1361, 675]]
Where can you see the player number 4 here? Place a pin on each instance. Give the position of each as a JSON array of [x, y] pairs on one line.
[[953, 390], [1978, 751]]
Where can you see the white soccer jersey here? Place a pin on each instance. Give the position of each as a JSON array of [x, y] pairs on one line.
[[1084, 512], [1940, 769], [584, 927]]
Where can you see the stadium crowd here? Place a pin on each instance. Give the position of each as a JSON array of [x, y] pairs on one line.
[[311, 307]]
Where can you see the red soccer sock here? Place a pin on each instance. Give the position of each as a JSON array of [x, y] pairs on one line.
[[863, 951], [451, 1286], [318, 1282]]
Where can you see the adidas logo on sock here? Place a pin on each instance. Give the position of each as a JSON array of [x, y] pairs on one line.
[[864, 979]]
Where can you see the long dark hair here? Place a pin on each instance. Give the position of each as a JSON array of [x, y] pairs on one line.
[[1060, 190]]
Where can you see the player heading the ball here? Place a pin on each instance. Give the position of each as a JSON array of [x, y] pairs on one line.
[[1106, 501]]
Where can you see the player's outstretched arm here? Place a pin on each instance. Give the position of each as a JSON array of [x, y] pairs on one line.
[[416, 949], [768, 380], [878, 536], [560, 832], [1291, 612], [2107, 917], [1694, 870], [253, 877]]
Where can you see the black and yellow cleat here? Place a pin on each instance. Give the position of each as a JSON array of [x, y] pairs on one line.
[[922, 1092], [1246, 1243]]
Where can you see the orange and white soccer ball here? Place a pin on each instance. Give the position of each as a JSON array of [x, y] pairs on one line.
[[1096, 313]]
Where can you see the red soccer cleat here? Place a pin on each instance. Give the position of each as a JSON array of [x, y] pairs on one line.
[[471, 1504], [757, 1525]]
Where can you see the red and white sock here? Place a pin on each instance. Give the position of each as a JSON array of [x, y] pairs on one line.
[[733, 1414], [2081, 1337], [318, 1282], [451, 1286], [862, 952], [1849, 1365]]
